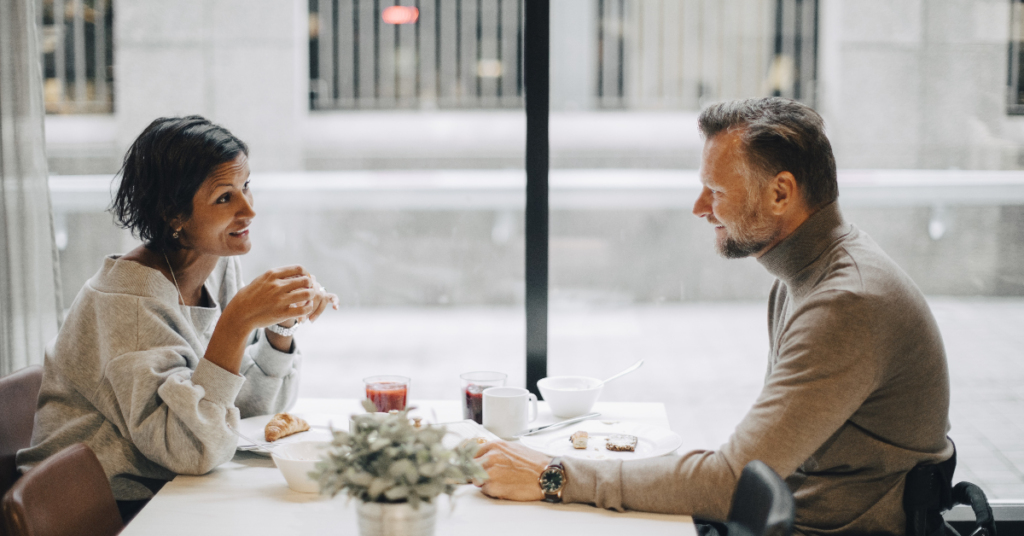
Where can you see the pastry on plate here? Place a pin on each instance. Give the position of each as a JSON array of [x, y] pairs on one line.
[[470, 440], [579, 439], [621, 443], [284, 425]]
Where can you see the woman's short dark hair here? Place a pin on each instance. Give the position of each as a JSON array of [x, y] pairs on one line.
[[163, 170], [780, 135]]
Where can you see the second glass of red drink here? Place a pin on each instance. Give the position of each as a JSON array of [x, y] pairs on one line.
[[473, 385], [387, 392]]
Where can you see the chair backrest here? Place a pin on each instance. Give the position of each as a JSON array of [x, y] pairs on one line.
[[65, 495], [762, 504], [927, 493], [19, 393]]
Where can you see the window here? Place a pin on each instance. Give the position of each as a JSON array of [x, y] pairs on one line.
[[1015, 89], [78, 52], [458, 54], [393, 168]]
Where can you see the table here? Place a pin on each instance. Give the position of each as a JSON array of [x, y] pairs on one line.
[[248, 496]]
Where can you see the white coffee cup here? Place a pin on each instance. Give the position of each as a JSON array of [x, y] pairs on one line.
[[507, 410]]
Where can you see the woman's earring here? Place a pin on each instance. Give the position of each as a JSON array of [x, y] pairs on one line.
[[175, 234]]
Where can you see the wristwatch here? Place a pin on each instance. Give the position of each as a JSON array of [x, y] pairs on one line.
[[284, 332], [552, 481]]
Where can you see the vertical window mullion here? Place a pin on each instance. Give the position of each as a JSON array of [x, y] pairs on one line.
[[536, 65]]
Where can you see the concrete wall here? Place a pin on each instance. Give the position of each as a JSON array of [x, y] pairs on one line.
[[918, 84], [909, 84], [240, 63]]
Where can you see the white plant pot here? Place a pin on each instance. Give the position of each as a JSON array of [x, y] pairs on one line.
[[377, 519]]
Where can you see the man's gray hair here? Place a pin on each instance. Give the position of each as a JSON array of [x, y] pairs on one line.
[[780, 135]]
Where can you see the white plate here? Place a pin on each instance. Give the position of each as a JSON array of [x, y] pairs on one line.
[[318, 422], [652, 441]]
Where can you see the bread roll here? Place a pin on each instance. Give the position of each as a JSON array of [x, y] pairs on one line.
[[284, 425]]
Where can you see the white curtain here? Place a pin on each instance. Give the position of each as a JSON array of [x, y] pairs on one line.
[[30, 308]]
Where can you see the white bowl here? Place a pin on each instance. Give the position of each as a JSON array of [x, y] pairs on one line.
[[296, 460], [570, 396]]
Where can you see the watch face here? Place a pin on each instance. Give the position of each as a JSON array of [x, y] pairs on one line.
[[551, 480]]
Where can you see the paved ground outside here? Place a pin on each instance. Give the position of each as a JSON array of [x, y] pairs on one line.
[[705, 361]]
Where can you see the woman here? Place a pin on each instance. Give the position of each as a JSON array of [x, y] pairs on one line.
[[165, 348]]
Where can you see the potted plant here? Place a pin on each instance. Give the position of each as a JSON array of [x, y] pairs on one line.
[[396, 470]]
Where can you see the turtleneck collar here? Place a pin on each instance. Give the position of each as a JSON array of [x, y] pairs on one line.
[[798, 250]]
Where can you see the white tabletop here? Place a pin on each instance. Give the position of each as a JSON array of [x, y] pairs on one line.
[[248, 496]]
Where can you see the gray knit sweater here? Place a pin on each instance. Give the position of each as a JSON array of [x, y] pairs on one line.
[[856, 394], [126, 376]]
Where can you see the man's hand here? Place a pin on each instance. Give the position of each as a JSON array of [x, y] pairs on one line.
[[513, 470]]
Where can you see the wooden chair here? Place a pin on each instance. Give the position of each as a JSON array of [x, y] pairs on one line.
[[19, 393], [67, 494], [762, 504]]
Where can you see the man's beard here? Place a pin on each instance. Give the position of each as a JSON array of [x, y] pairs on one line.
[[753, 233]]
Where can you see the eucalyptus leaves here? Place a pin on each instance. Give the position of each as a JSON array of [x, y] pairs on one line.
[[390, 461]]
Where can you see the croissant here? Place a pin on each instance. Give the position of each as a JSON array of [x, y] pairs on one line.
[[283, 425]]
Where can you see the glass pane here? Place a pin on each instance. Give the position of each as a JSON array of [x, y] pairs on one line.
[[914, 99], [389, 163]]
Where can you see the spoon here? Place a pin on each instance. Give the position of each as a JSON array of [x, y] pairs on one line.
[[632, 367]]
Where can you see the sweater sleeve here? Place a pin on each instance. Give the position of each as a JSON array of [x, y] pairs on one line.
[[824, 372], [175, 416], [272, 378]]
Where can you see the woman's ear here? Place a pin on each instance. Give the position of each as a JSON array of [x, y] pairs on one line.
[[175, 223]]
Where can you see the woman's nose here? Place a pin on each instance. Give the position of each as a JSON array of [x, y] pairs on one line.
[[248, 208]]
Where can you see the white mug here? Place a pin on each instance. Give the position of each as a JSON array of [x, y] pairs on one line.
[[507, 410]]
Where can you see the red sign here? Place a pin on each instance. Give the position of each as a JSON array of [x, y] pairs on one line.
[[400, 15]]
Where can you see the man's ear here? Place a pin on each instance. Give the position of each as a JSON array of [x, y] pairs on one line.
[[785, 193]]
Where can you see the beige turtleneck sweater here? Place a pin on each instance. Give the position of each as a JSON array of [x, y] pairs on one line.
[[856, 394]]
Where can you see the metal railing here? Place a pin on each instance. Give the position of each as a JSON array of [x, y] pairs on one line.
[[681, 54], [77, 46], [460, 54]]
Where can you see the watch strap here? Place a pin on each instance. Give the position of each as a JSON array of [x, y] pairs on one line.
[[284, 332]]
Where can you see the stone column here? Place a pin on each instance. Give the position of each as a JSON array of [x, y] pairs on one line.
[[241, 63], [917, 84], [573, 54]]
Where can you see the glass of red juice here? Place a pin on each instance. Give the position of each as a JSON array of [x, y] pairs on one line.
[[473, 385], [387, 392]]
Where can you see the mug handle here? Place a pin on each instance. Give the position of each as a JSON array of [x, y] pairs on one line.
[[533, 404]]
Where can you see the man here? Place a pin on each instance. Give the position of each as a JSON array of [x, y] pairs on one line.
[[857, 389]]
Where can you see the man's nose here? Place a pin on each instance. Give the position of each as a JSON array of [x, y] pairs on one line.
[[702, 206]]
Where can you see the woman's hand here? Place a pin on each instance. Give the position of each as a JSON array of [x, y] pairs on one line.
[[276, 296], [514, 471], [319, 302], [321, 299]]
